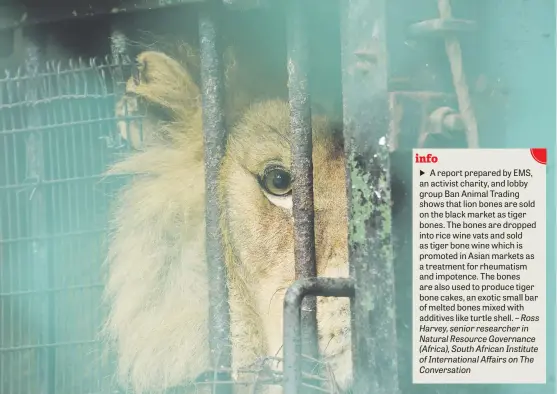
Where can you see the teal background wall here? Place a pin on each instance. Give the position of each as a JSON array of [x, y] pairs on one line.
[[520, 48]]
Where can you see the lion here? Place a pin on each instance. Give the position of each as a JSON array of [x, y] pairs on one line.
[[157, 286]]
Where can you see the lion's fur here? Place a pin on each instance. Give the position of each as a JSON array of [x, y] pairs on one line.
[[157, 285]]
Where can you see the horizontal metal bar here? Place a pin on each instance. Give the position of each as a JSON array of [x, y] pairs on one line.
[[50, 100], [292, 320], [57, 68], [31, 185], [54, 290], [441, 26], [57, 127], [422, 94], [15, 15], [53, 236], [245, 4], [48, 346]]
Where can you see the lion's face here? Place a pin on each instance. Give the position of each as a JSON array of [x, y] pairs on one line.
[[157, 282], [257, 189]]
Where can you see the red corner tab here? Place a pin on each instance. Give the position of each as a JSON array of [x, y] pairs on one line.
[[539, 154]]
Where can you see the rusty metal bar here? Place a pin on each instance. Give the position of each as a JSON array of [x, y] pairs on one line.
[[293, 319], [212, 87], [302, 166], [366, 124]]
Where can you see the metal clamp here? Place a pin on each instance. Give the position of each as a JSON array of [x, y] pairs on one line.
[[292, 350], [443, 122]]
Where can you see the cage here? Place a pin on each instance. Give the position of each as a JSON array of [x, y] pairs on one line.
[[58, 133]]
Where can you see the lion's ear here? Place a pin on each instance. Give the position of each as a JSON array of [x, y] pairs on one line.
[[163, 84], [161, 91]]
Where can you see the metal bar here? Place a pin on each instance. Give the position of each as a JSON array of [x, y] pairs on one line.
[[293, 319], [17, 15], [302, 166], [43, 265], [51, 236], [118, 50], [49, 346], [118, 42], [454, 53], [244, 5], [23, 293], [366, 124], [212, 86], [442, 26]]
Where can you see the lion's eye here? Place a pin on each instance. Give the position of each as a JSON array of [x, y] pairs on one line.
[[277, 181]]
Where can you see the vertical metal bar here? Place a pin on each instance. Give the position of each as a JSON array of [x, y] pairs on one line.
[[118, 50], [42, 265], [366, 123], [214, 128], [454, 53], [302, 171], [117, 40]]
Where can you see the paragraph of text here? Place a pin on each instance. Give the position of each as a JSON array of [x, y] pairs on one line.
[[479, 263]]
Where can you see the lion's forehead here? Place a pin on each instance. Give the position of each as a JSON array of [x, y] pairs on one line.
[[264, 135]]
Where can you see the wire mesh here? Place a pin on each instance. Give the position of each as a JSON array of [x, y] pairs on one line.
[[57, 135]]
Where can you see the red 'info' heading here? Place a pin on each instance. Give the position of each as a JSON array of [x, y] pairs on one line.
[[539, 154], [429, 158]]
